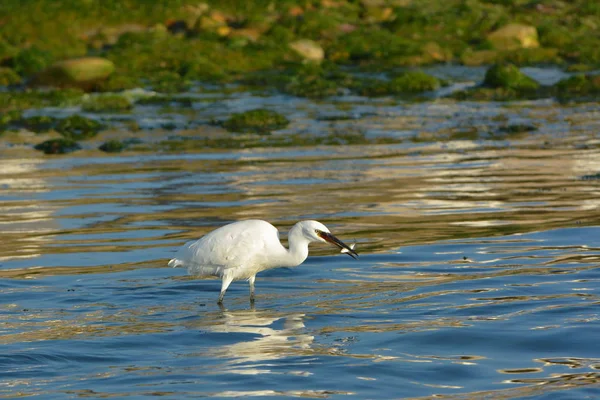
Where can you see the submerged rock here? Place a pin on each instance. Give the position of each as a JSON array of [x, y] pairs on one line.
[[9, 77], [80, 72], [309, 50], [414, 82], [514, 36], [112, 146], [107, 103], [58, 146], [78, 127], [579, 84], [508, 76], [259, 121]]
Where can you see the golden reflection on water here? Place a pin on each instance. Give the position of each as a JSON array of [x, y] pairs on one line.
[[266, 341], [386, 197]]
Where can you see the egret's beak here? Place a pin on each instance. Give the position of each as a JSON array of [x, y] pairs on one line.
[[328, 237]]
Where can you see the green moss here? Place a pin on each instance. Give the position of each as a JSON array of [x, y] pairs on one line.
[[370, 44], [38, 124], [169, 82], [77, 127], [107, 103], [407, 83], [512, 131], [492, 94], [9, 77], [58, 146], [304, 80], [167, 100], [517, 128], [8, 117], [314, 84], [260, 121], [414, 82], [508, 76], [31, 60], [579, 84], [380, 33], [171, 62], [471, 133], [253, 141], [112, 146], [22, 100], [202, 69]]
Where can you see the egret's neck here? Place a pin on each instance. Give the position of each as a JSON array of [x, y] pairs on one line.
[[298, 248]]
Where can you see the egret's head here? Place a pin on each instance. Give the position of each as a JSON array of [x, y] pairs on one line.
[[317, 232]]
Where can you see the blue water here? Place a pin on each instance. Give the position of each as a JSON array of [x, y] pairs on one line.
[[478, 274]]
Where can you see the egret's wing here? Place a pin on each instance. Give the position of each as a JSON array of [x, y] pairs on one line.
[[231, 246]]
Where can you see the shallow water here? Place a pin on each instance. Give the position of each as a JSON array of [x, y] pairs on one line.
[[478, 271]]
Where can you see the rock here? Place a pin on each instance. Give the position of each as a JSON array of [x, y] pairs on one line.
[[249, 34], [80, 72], [109, 35], [579, 84], [58, 146], [214, 21], [435, 52], [376, 11], [508, 76], [9, 77], [295, 11], [259, 121], [414, 82], [77, 127], [308, 50], [107, 103], [177, 27], [112, 146], [514, 36], [30, 61]]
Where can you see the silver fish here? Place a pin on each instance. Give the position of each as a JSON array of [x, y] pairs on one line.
[[352, 246]]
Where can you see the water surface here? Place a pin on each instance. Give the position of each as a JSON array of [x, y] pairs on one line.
[[478, 273]]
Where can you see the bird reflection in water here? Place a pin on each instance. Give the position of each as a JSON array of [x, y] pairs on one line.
[[271, 336]]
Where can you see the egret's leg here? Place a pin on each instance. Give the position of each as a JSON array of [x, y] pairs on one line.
[[251, 281], [224, 285]]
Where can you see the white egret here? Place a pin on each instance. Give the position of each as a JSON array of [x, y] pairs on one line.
[[242, 249]]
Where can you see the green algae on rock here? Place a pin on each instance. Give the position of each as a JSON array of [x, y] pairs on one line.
[[261, 121], [107, 103], [504, 82], [22, 100], [514, 36], [77, 127], [38, 124], [508, 76], [82, 72], [112, 146], [406, 83], [414, 82], [58, 146], [272, 141], [309, 50], [30, 61], [9, 77], [579, 84]]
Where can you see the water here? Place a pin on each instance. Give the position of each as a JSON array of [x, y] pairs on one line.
[[478, 274]]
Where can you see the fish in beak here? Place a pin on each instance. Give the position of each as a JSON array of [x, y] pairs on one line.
[[328, 237]]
